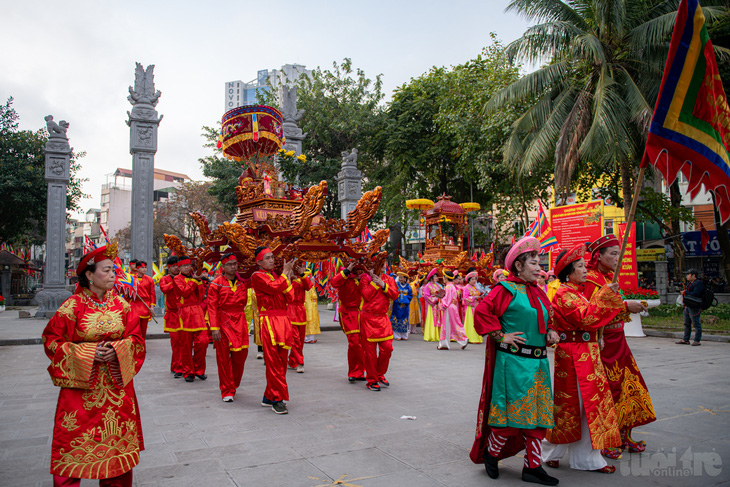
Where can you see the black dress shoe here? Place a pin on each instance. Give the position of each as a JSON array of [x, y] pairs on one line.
[[491, 465], [189, 378], [201, 376], [538, 476], [178, 375]]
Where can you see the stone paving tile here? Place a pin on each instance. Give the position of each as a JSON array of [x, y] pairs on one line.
[[295, 473], [258, 458], [358, 463]]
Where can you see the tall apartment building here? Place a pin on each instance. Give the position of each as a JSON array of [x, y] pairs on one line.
[[240, 93], [116, 196]]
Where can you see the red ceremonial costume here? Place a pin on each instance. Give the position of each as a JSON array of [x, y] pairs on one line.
[[579, 374], [97, 432], [144, 301], [173, 325], [273, 293], [297, 313], [194, 329], [348, 290], [227, 313], [376, 332], [630, 394]]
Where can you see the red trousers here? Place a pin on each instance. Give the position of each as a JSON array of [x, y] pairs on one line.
[[193, 345], [296, 355], [376, 364], [230, 366], [350, 323], [143, 326], [124, 480], [176, 363], [275, 356]]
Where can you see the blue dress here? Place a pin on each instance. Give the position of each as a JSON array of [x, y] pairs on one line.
[[401, 308]]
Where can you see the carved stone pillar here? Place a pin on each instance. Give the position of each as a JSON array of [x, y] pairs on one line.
[[58, 156], [143, 124], [349, 183]]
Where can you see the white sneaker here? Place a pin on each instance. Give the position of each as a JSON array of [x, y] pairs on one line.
[[228, 399], [260, 355], [300, 369]]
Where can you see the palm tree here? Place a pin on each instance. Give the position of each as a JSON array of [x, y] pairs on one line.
[[594, 98]]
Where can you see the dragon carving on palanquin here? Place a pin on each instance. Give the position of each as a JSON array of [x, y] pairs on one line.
[[300, 232]]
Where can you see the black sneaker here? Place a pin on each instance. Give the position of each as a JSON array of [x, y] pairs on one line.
[[189, 378], [279, 407], [491, 464], [384, 382], [374, 386], [266, 403], [178, 375], [538, 476], [202, 376]]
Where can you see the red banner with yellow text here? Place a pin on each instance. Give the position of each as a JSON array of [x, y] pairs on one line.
[[627, 276]]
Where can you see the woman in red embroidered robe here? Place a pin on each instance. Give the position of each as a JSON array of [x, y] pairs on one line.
[[630, 394], [96, 348], [585, 419]]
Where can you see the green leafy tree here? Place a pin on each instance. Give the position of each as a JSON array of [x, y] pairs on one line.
[[342, 111], [22, 180], [594, 100], [439, 140]]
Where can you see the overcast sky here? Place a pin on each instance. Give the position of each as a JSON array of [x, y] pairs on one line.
[[76, 59]]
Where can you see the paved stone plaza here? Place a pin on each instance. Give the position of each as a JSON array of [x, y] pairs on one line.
[[338, 433]]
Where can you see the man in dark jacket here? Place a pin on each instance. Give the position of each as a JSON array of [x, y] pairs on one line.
[[692, 307]]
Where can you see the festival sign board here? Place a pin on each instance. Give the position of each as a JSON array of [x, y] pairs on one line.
[[576, 224], [627, 276]]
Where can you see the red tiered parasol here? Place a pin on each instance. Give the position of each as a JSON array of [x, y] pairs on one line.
[[251, 131]]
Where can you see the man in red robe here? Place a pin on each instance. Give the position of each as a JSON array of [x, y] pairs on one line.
[[172, 320], [144, 302], [227, 315], [376, 332], [347, 283], [194, 330], [273, 294], [297, 313]]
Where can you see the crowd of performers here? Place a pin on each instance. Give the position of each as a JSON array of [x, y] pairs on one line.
[[597, 394], [96, 343]]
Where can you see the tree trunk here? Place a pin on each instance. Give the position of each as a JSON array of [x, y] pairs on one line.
[[626, 187], [525, 219], [675, 199], [724, 241]]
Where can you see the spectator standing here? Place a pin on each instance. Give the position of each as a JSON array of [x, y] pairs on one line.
[[692, 307]]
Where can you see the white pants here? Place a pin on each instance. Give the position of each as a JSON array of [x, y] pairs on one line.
[[446, 333], [403, 335], [582, 454]]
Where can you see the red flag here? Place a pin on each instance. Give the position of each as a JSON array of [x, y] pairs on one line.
[[474, 257], [704, 237], [513, 239]]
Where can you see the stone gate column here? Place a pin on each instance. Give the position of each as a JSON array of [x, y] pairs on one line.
[[58, 157], [349, 183], [143, 124]]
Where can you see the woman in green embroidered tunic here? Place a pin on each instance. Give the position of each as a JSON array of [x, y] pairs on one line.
[[516, 406]]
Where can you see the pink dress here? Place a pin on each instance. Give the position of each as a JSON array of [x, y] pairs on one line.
[[432, 321], [452, 328]]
